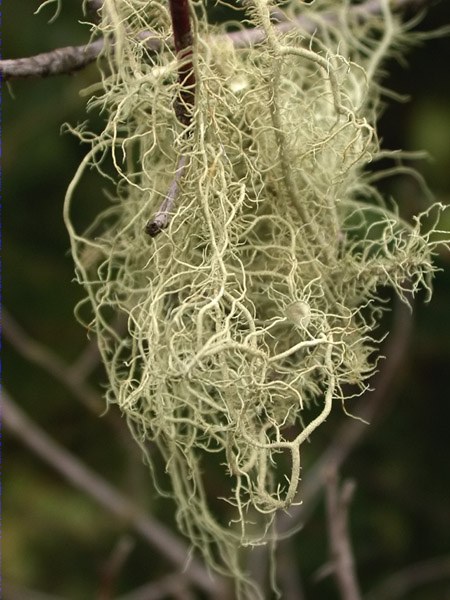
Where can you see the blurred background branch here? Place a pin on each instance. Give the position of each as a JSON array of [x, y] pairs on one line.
[[406, 581], [170, 546], [338, 500]]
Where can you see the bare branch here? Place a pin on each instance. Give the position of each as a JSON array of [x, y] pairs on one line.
[[71, 377], [80, 476], [401, 584], [113, 566], [183, 105], [11, 591], [337, 502], [290, 580], [169, 586], [73, 58], [93, 6]]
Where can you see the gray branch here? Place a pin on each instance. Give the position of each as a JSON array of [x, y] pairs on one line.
[[57, 62], [337, 502], [162, 218], [170, 546], [73, 58]]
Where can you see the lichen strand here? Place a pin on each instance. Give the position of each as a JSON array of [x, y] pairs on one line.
[[247, 315]]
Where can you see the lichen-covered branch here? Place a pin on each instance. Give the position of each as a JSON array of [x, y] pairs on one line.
[[249, 318], [74, 58], [56, 62]]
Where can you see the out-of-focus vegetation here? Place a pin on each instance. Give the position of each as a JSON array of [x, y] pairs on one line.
[[56, 540]]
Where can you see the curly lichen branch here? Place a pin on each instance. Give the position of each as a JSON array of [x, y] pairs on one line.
[[268, 502], [73, 58], [257, 306], [262, 11], [351, 432]]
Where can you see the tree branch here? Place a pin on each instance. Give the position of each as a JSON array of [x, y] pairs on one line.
[[12, 591], [168, 586], [337, 502], [71, 377], [112, 568], [57, 62], [73, 58], [80, 476], [401, 584], [183, 105], [182, 37]]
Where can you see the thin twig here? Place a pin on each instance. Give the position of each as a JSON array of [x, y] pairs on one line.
[[83, 478], [12, 591], [289, 576], [38, 354], [88, 360], [165, 587], [162, 218], [73, 58], [183, 105], [113, 566], [183, 40], [93, 6], [337, 502]]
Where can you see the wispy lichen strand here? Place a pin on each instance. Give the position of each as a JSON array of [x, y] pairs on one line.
[[248, 315]]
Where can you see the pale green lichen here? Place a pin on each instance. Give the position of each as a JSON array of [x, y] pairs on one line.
[[247, 316]]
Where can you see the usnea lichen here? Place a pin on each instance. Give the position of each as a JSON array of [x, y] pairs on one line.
[[229, 336]]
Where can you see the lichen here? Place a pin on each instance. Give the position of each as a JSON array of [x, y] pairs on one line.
[[228, 337]]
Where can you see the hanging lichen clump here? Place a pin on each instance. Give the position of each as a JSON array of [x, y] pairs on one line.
[[229, 331]]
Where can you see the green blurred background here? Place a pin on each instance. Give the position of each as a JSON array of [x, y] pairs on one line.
[[55, 539]]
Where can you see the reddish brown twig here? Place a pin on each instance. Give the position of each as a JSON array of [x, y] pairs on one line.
[[183, 105], [182, 37]]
